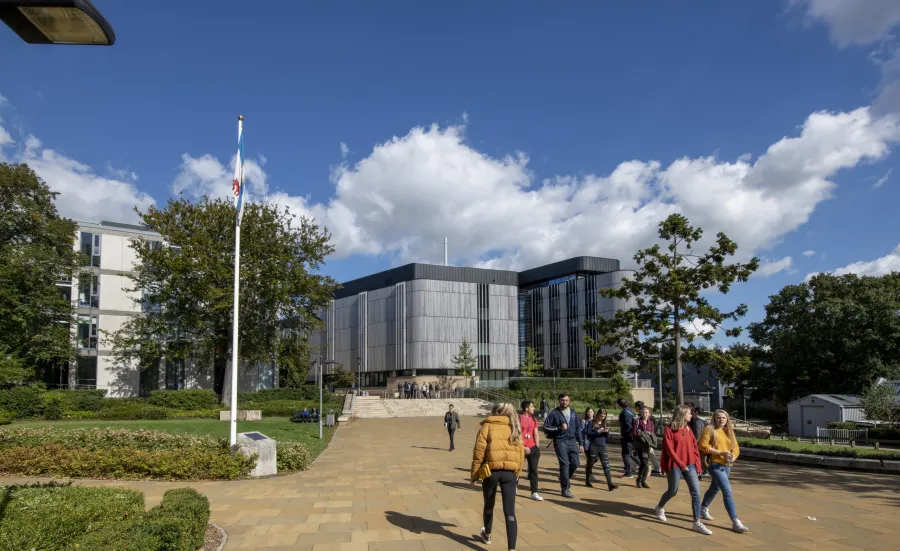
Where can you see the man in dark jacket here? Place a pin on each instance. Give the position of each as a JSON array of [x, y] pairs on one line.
[[451, 423], [626, 423], [697, 424], [562, 426]]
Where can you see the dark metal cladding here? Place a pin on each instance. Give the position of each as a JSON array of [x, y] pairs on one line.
[[410, 272], [579, 264]]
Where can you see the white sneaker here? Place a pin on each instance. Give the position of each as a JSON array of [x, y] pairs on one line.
[[738, 526], [704, 513], [700, 529], [537, 497], [485, 537], [660, 513]]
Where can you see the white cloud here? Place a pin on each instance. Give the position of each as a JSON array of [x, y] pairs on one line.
[[3, 100], [881, 181], [411, 191], [769, 267], [696, 326], [5, 138], [854, 22], [809, 252], [465, 117], [345, 150], [878, 267], [205, 175]]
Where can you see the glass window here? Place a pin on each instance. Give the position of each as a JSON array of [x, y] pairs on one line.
[[90, 246], [86, 372], [89, 291], [87, 332], [175, 374]]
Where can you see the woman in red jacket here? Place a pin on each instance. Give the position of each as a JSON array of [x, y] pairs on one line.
[[681, 459]]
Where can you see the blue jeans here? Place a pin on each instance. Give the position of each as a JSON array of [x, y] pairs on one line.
[[719, 481], [690, 476], [567, 453]]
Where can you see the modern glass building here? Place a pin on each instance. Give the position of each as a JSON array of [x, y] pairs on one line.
[[411, 320]]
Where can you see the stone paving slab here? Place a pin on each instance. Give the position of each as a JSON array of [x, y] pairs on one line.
[[391, 484]]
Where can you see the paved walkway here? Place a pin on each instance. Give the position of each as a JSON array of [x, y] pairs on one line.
[[392, 485]]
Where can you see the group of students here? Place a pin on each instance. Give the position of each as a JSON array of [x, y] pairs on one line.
[[508, 443], [412, 391]]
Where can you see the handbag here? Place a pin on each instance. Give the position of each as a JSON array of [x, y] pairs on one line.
[[484, 471]]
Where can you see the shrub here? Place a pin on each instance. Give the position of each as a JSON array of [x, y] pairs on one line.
[[51, 516], [850, 425], [195, 414], [53, 408], [884, 433], [22, 401], [5, 417], [187, 399], [828, 451], [132, 412], [292, 456], [78, 400], [109, 438], [307, 392], [549, 386], [279, 408], [190, 505]]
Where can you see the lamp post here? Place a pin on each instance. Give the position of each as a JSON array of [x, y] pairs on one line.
[[57, 22], [659, 373], [356, 385], [321, 372]]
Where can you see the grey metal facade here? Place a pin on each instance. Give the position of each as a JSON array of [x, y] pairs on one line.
[[414, 318]]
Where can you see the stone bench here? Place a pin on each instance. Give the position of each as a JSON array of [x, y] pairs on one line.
[[242, 415]]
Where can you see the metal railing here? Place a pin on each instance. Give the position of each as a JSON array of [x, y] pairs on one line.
[[641, 383], [841, 435]]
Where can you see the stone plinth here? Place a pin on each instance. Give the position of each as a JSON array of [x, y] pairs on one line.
[[242, 415], [249, 443]]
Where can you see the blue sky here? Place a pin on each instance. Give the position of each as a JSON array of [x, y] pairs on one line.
[[559, 131]]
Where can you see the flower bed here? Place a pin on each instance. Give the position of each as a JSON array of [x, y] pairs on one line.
[[55, 517]]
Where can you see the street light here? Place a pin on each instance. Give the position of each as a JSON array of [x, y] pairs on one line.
[[57, 22], [321, 373]]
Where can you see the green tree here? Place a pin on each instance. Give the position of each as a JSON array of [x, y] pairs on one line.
[[342, 378], [294, 360], [464, 361], [832, 334], [532, 365], [186, 287], [879, 402], [619, 387], [36, 252], [667, 296]]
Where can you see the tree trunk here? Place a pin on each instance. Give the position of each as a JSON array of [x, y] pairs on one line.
[[679, 380], [226, 385]]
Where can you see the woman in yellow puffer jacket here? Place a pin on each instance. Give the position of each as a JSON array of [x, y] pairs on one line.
[[499, 447]]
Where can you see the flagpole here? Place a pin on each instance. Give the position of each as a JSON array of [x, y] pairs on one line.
[[237, 281]]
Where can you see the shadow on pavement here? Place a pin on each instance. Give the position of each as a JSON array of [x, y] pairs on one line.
[[431, 448], [418, 525]]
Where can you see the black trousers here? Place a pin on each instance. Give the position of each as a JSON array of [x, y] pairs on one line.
[[568, 455], [596, 452], [643, 454], [506, 480], [533, 458], [452, 432], [627, 453]]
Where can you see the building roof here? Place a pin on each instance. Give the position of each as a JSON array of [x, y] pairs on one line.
[[843, 400], [118, 228], [409, 272]]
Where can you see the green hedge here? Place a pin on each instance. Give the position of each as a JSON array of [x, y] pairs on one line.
[[23, 401], [884, 433], [51, 517], [849, 425], [829, 451], [78, 400], [547, 386], [5, 417], [98, 453], [307, 392], [188, 399], [292, 456], [280, 408]]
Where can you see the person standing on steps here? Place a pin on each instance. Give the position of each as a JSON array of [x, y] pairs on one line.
[[497, 460], [406, 390], [719, 444], [626, 427], [451, 423], [681, 459], [532, 442], [654, 459], [644, 434], [597, 434], [563, 427]]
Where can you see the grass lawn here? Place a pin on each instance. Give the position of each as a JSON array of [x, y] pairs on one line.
[[278, 428]]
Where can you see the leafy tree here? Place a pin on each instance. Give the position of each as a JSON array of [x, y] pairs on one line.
[[532, 365], [879, 402], [342, 378], [294, 361], [36, 252], [619, 387], [832, 334], [464, 361], [666, 296], [186, 287]]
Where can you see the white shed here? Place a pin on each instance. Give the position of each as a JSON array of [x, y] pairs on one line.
[[817, 410]]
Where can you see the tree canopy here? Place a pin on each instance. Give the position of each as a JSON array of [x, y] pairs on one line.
[[667, 302], [832, 334], [464, 362], [36, 252], [186, 286], [532, 365]]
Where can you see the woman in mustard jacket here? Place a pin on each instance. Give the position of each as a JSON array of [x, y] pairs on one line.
[[499, 449], [719, 444]]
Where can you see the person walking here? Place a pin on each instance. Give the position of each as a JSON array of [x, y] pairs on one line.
[[531, 441], [654, 458], [545, 408], [597, 436], [497, 461], [697, 425], [681, 459], [719, 443], [644, 435], [583, 427], [563, 427], [451, 423], [626, 428]]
